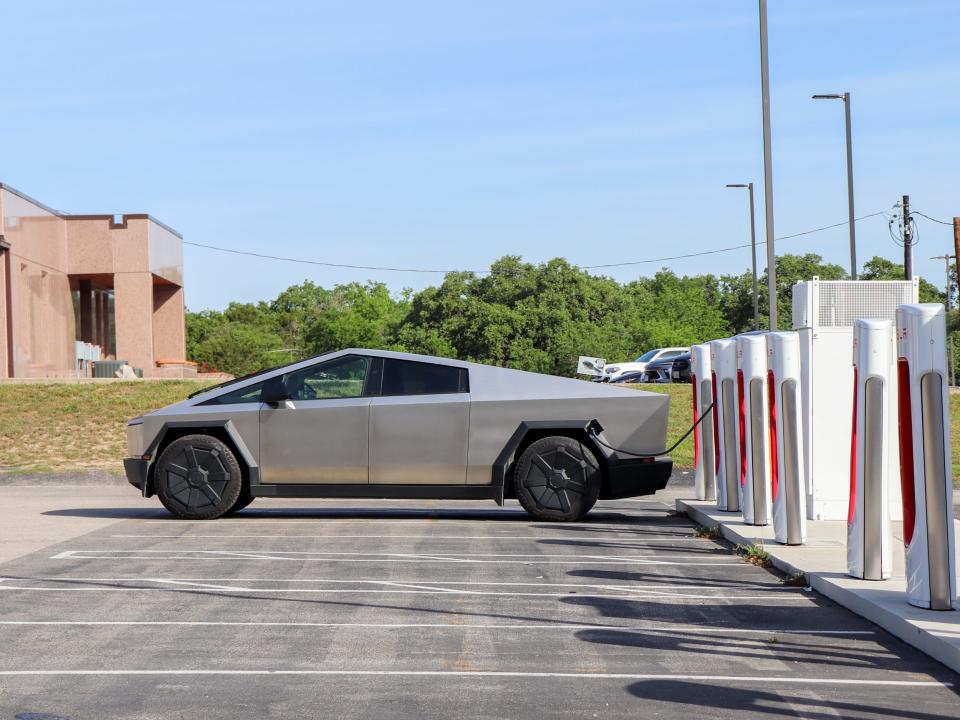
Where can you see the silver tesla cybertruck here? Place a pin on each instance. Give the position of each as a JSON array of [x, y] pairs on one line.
[[375, 424]]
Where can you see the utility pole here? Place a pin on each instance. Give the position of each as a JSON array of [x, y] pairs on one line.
[[946, 262], [956, 258], [956, 237], [907, 240], [753, 247], [767, 168]]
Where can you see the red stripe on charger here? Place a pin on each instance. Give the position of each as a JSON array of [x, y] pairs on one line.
[[905, 415]]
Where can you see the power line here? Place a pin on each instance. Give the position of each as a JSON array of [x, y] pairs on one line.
[[726, 249], [303, 261], [322, 263], [828, 227], [917, 212]]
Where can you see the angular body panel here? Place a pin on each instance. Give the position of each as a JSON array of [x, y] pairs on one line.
[[315, 441], [419, 439]]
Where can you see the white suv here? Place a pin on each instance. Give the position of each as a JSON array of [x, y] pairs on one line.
[[615, 370]]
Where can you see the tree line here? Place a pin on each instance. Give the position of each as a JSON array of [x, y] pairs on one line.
[[537, 317]]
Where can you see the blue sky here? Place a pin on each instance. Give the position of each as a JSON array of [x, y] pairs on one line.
[[447, 134]]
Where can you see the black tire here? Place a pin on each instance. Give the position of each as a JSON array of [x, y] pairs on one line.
[[557, 478], [198, 478], [244, 499]]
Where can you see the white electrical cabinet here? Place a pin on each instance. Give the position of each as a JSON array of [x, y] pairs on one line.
[[823, 314]]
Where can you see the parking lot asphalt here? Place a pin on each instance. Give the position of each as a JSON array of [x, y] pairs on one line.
[[434, 610]]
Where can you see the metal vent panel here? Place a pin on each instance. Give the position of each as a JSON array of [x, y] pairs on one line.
[[841, 302]]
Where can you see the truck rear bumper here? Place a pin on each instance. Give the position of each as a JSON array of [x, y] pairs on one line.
[[631, 477]]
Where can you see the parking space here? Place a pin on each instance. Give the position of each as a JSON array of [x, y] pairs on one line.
[[384, 609]]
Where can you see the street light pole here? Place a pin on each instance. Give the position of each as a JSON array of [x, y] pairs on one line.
[[850, 214], [767, 167], [753, 251]]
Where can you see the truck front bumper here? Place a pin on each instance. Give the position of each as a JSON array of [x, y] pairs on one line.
[[136, 471]]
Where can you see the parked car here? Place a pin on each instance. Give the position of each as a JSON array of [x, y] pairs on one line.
[[613, 370], [634, 376], [676, 369], [376, 424], [680, 372]]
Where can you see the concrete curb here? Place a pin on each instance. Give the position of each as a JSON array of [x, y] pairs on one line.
[[823, 561]]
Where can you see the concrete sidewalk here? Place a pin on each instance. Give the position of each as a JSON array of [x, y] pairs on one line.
[[823, 561]]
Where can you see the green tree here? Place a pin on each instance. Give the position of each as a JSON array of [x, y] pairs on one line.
[[522, 315], [234, 347], [737, 300], [356, 316], [672, 310], [294, 311], [878, 268]]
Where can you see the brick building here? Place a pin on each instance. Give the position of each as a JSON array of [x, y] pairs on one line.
[[69, 283]]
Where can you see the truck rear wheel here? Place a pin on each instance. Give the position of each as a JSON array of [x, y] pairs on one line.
[[557, 478]]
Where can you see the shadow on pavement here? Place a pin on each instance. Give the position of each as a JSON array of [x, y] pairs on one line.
[[631, 576], [613, 544], [786, 702], [108, 513], [321, 513]]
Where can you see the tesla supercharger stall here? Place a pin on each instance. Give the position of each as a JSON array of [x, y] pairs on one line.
[[705, 474], [723, 364], [925, 476], [787, 470], [754, 436], [869, 544]]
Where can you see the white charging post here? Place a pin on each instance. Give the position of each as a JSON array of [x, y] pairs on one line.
[[925, 472], [869, 553], [787, 468], [705, 475], [753, 418], [723, 363]]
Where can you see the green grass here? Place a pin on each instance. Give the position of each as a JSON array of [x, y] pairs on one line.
[[681, 418], [707, 533], [46, 427], [754, 553], [795, 580]]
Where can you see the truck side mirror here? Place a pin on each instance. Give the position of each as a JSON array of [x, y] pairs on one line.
[[274, 391]]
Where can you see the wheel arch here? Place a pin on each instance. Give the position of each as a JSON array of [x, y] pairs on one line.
[[528, 432], [223, 430]]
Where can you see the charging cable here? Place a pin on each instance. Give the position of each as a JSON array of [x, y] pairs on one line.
[[592, 431]]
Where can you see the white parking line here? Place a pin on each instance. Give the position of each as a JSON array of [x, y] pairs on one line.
[[198, 585], [361, 557], [338, 553], [673, 630], [635, 595], [459, 538], [519, 520], [766, 680], [375, 581], [405, 587]]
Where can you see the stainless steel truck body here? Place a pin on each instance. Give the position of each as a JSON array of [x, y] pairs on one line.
[[375, 424]]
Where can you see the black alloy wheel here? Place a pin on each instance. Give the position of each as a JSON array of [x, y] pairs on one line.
[[198, 478], [557, 478]]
